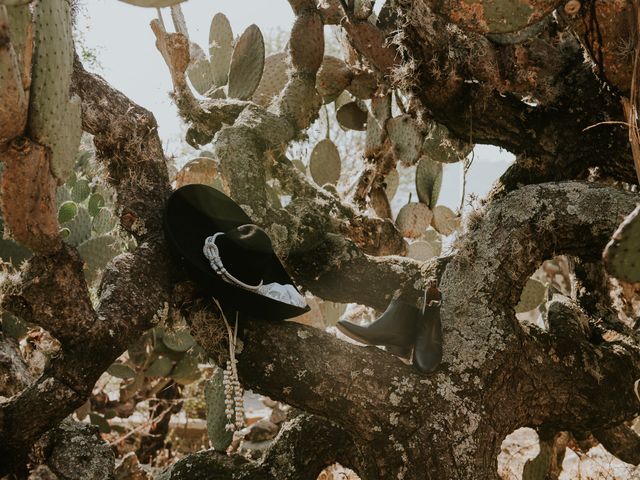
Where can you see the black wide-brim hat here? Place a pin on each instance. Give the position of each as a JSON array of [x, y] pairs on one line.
[[196, 212]]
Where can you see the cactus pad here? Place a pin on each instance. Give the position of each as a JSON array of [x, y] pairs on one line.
[[421, 250], [202, 170], [220, 48], [333, 77], [247, 64], [274, 78], [428, 181], [216, 418], [352, 116], [306, 45], [376, 130], [363, 85], [533, 294], [391, 181], [97, 252], [440, 146], [79, 227], [325, 164], [67, 211], [153, 3], [199, 70], [104, 221], [54, 118], [80, 190], [413, 219], [622, 253], [445, 221], [406, 139]]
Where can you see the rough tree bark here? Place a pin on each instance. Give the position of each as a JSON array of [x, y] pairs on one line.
[[382, 418]]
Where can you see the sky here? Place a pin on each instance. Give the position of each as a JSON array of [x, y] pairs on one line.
[[120, 35]]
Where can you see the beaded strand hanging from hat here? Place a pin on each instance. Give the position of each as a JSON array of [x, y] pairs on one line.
[[234, 405]]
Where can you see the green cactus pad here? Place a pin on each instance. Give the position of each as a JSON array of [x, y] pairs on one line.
[[406, 139], [413, 219], [104, 221], [199, 70], [186, 370], [160, 367], [247, 64], [325, 163], [422, 250], [62, 195], [533, 294], [179, 341], [376, 130], [274, 78], [96, 202], [220, 49], [216, 418], [80, 227], [54, 118], [428, 181], [622, 253], [352, 116], [80, 190], [97, 252], [120, 370], [333, 77], [67, 211], [440, 146], [391, 181], [445, 221]]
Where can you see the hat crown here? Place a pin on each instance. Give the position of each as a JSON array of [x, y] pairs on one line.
[[246, 252], [251, 238]]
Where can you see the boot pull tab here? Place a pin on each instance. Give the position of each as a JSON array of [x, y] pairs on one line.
[[431, 295]]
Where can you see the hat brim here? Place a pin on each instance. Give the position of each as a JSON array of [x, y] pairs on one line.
[[195, 212]]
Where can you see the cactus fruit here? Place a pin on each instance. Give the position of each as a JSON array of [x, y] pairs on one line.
[[413, 219], [54, 118], [376, 130], [220, 49], [391, 181], [97, 252], [363, 85], [622, 253], [428, 181], [441, 147], [421, 250], [214, 395], [406, 139], [533, 294], [201, 170], [325, 164], [247, 63], [445, 221], [306, 45], [199, 69], [333, 77], [352, 115], [274, 78]]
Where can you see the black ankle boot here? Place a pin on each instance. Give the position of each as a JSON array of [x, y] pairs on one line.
[[427, 352], [395, 327]]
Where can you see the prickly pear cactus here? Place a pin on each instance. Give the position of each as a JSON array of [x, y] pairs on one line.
[[413, 219], [406, 139], [428, 181], [533, 294], [202, 170], [325, 163], [153, 3], [247, 64], [332, 78], [363, 85], [351, 114], [445, 221], [199, 70], [220, 48], [622, 253], [274, 78], [440, 146], [376, 130], [422, 250], [54, 117], [219, 437], [391, 182]]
